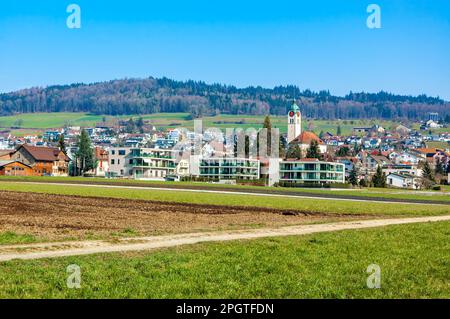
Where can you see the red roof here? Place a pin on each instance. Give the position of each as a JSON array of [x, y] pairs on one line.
[[44, 154], [306, 137]]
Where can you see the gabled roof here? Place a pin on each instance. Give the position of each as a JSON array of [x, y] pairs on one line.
[[6, 152], [380, 158], [306, 137], [4, 163], [402, 175], [44, 154]]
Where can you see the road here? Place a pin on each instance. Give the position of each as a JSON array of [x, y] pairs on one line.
[[75, 248]]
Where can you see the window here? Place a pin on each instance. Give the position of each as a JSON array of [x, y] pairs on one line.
[[118, 161], [122, 152], [113, 152], [112, 161]]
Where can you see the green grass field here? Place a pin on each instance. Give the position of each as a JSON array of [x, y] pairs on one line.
[[304, 204], [414, 262], [387, 193], [37, 122]]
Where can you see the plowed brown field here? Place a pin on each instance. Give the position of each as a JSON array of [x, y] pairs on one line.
[[56, 217]]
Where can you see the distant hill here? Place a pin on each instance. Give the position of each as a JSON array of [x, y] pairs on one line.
[[151, 95]]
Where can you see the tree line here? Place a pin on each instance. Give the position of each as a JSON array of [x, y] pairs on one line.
[[152, 95]]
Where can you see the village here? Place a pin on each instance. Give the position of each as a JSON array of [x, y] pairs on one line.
[[127, 149]]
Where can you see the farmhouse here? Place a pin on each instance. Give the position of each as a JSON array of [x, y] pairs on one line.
[[15, 168], [44, 161]]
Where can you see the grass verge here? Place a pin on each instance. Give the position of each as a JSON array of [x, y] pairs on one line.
[[414, 261]]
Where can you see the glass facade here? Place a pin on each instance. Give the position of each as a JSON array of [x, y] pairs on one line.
[[229, 168], [316, 172]]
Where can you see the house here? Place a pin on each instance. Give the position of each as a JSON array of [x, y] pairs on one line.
[[117, 161], [406, 158], [15, 168], [349, 163], [371, 162], [402, 130], [102, 159], [304, 141], [403, 181], [403, 169], [45, 161], [432, 124], [361, 129]]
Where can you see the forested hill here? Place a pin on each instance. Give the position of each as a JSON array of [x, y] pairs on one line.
[[142, 96]]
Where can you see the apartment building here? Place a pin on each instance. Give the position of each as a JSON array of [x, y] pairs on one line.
[[146, 163], [229, 168], [311, 171]]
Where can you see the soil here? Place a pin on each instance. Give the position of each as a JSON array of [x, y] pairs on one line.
[[57, 217]]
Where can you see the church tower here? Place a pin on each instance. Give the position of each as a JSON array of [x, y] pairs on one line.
[[294, 122]]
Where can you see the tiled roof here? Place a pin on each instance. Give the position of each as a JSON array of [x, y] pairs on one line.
[[45, 154], [306, 137]]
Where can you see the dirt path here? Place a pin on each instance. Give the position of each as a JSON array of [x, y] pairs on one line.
[[50, 250]]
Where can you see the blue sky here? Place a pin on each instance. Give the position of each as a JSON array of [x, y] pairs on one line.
[[316, 44]]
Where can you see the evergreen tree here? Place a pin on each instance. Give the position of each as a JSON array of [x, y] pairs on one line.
[[268, 125], [343, 151], [353, 176], [363, 183], [282, 147], [439, 169], [61, 143], [85, 155], [379, 179], [339, 131], [140, 125], [294, 151], [131, 126], [427, 172], [313, 150]]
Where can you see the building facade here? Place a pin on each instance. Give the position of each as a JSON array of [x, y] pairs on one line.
[[229, 168], [146, 163], [311, 171], [15, 168]]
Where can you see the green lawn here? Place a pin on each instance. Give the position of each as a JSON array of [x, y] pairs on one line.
[[171, 120], [304, 204], [414, 261], [14, 238]]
